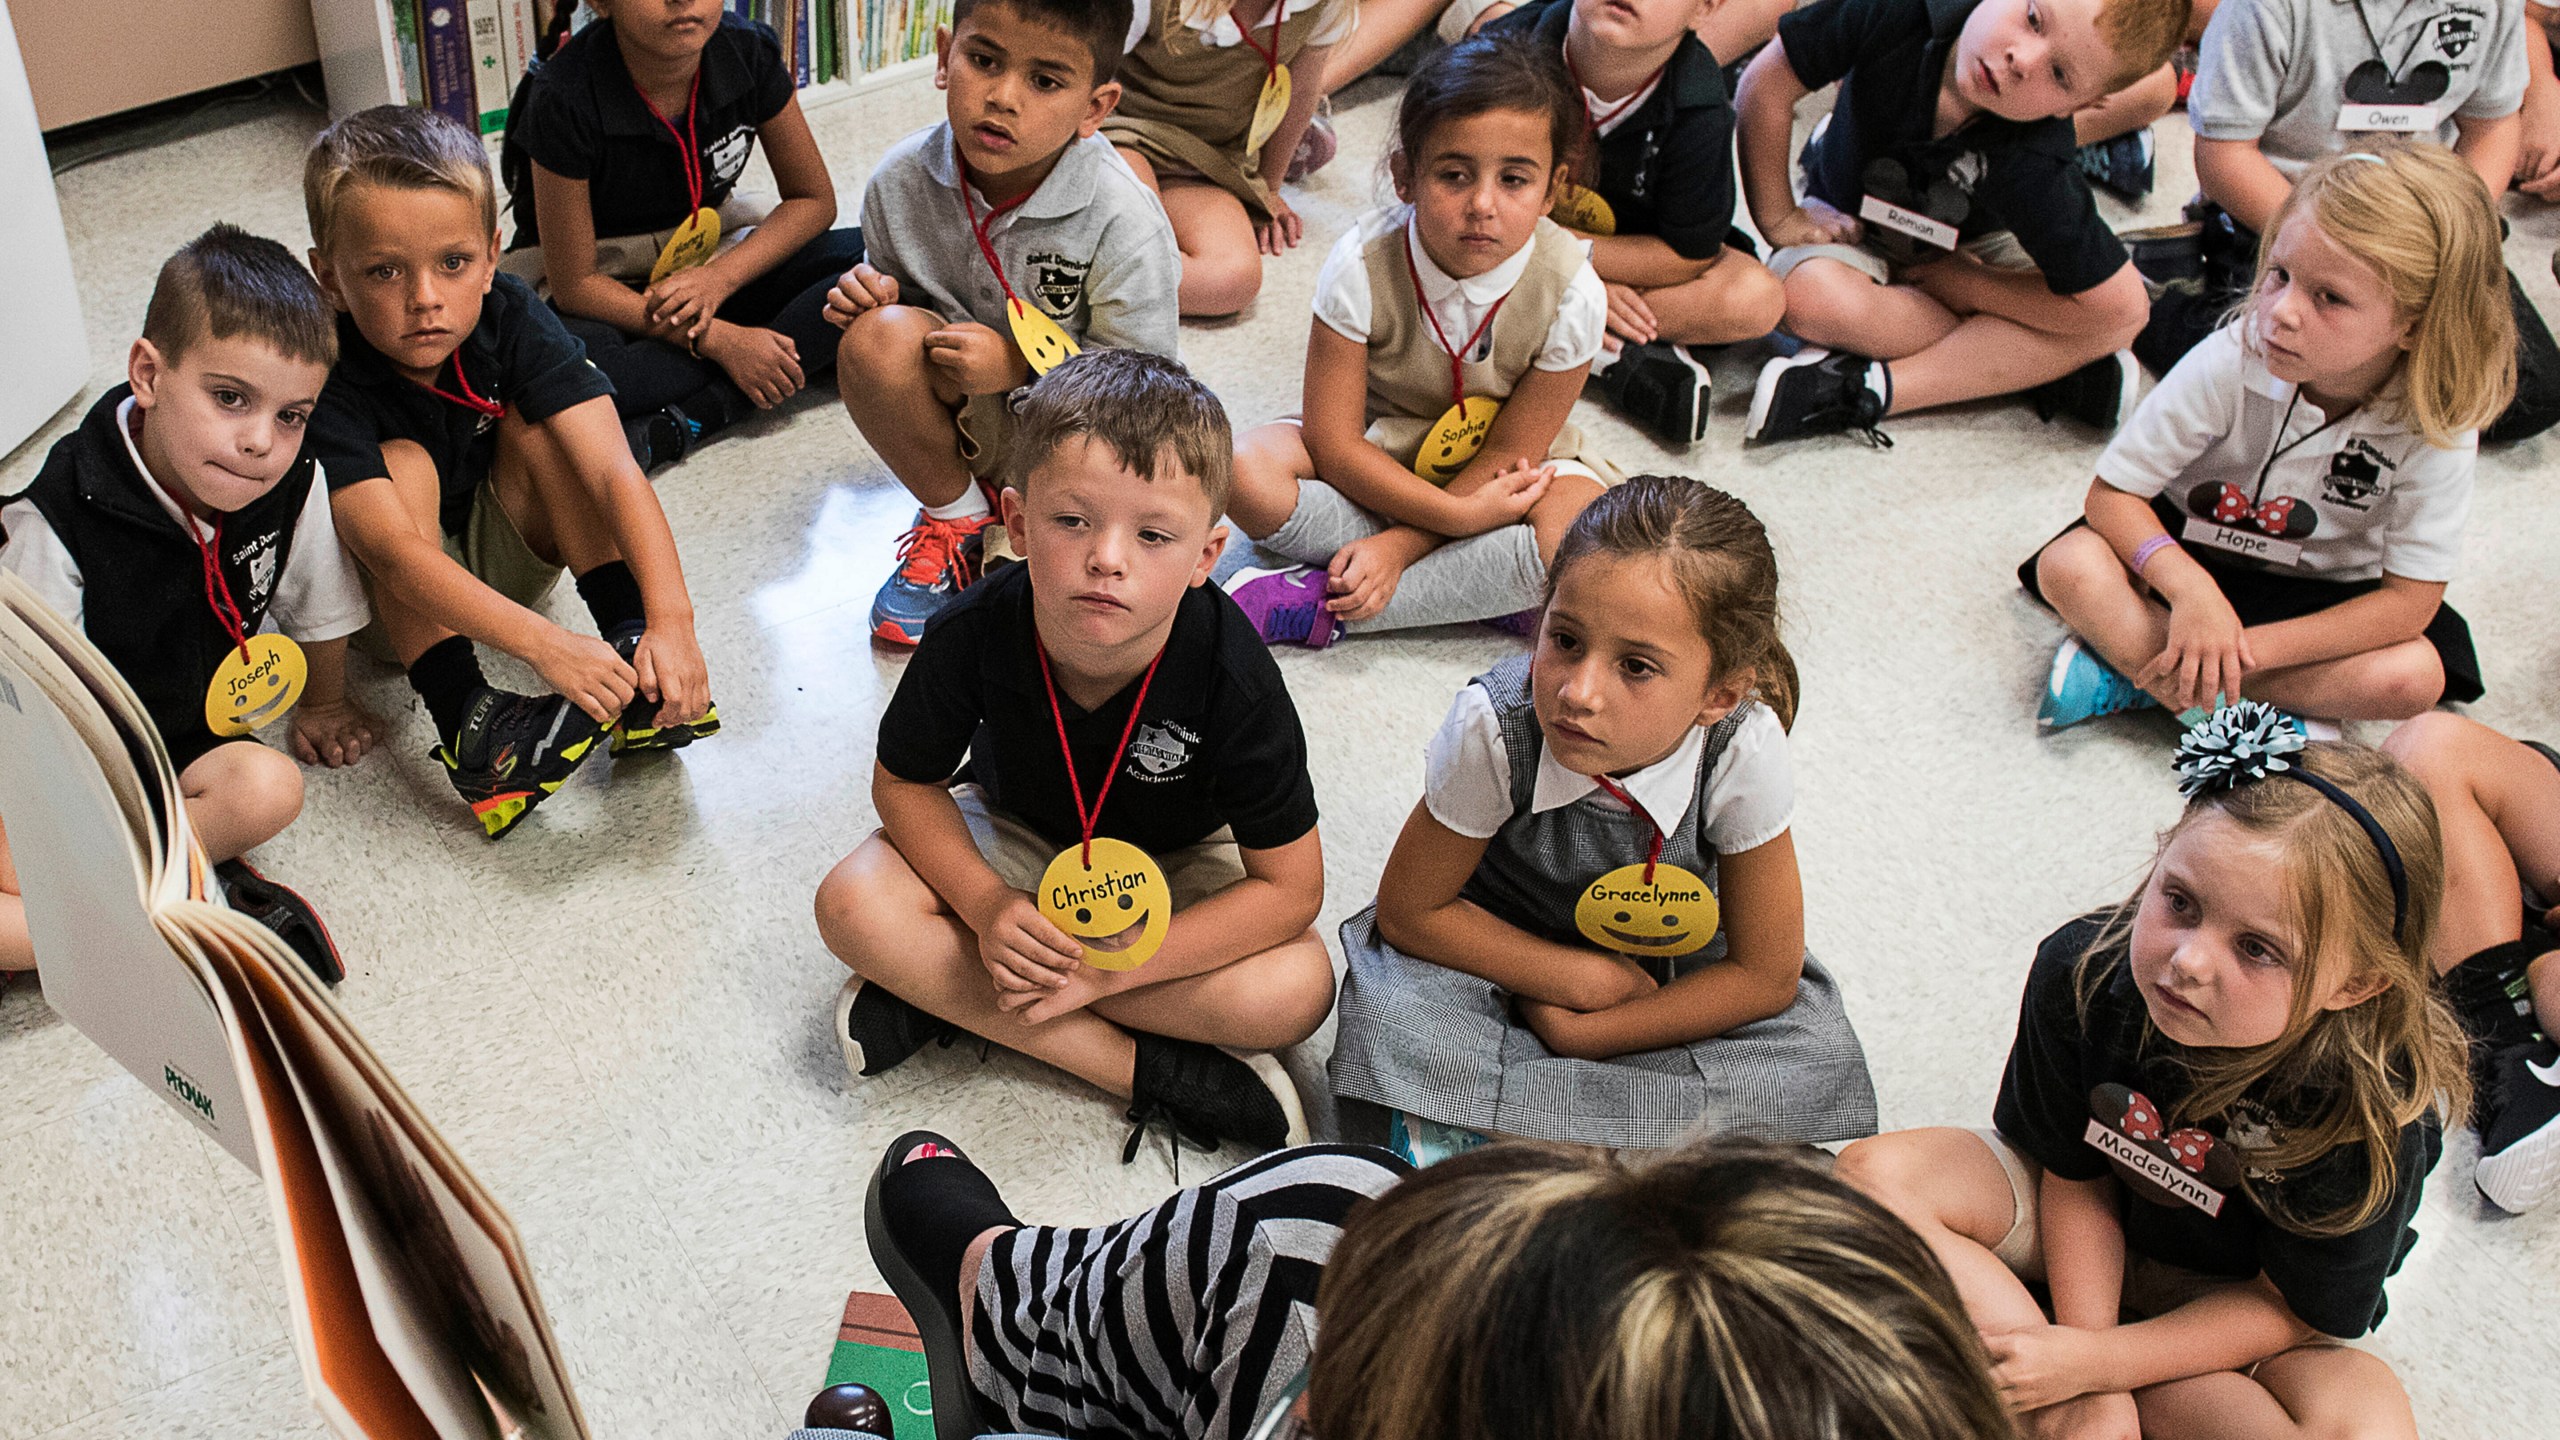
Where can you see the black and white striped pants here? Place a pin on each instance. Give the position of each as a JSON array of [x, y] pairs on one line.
[[1183, 1323]]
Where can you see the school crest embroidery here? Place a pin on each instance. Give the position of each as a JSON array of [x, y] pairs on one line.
[[1058, 280], [1158, 750], [2186, 1166], [2454, 34], [2355, 475], [259, 554], [728, 154]]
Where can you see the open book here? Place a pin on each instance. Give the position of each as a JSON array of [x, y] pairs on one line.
[[414, 1308]]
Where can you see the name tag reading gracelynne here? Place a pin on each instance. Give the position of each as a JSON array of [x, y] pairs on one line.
[[1910, 222], [2249, 543], [2395, 119]]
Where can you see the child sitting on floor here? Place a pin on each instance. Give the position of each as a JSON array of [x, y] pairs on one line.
[[1215, 97], [999, 242], [2282, 514], [1946, 247], [617, 147], [2219, 1114], [1434, 469], [1111, 707], [1592, 928]]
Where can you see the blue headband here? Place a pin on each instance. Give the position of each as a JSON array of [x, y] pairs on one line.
[[2246, 742]]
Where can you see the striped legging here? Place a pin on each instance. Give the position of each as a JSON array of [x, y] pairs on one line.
[[1183, 1323]]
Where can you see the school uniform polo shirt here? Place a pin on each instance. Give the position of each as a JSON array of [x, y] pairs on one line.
[[1666, 167], [517, 355], [1890, 57], [2275, 72], [1217, 743], [579, 115]]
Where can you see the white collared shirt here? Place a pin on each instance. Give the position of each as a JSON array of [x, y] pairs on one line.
[[1215, 22], [1342, 294], [1751, 796]]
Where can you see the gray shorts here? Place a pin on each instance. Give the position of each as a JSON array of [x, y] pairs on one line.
[[1326, 520], [1019, 854], [2000, 250]]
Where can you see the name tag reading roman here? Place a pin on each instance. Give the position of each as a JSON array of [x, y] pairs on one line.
[[1909, 222], [2393, 119], [2251, 544]]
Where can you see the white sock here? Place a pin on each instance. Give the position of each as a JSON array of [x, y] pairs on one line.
[[1879, 384], [1606, 358], [972, 502]]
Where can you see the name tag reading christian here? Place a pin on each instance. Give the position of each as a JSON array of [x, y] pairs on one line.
[[1910, 222], [1117, 907], [2160, 1171], [1674, 914], [2249, 543], [2393, 119]]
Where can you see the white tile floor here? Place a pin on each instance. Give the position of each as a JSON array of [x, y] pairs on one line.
[[619, 1015]]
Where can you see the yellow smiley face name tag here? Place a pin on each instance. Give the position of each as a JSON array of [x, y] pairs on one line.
[[1117, 908], [248, 693], [1268, 107], [1044, 346], [1580, 207], [1455, 438], [1674, 915], [695, 241]]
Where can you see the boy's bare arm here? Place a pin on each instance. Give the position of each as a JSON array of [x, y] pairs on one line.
[[1646, 262], [2491, 147], [1764, 129], [1020, 948], [2237, 175], [1275, 902], [411, 570]]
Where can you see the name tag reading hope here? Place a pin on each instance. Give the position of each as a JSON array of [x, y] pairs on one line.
[[2238, 541]]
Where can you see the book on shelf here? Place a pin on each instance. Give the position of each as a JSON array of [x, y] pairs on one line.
[[413, 1306], [446, 61]]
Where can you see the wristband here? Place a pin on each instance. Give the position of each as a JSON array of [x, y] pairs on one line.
[[2143, 552]]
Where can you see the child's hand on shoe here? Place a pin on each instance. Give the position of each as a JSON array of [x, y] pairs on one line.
[[335, 733], [1024, 952], [669, 668], [978, 360], [857, 290], [1507, 497], [1630, 319], [1814, 223], [764, 363], [2207, 653], [1282, 231], [1362, 578], [584, 671], [687, 300]]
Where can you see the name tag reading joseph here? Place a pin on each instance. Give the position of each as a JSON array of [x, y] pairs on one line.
[[248, 692]]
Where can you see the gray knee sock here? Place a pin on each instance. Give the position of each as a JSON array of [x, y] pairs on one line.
[[1479, 578]]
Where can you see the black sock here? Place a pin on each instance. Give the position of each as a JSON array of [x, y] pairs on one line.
[[714, 408], [445, 677], [613, 597]]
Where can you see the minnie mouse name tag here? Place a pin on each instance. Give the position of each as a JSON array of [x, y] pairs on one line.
[[2391, 119], [2252, 544], [1908, 222]]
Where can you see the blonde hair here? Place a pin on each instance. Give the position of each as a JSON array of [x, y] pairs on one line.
[[1548, 1292], [399, 147], [2347, 1077], [2142, 35], [1720, 558], [2421, 218]]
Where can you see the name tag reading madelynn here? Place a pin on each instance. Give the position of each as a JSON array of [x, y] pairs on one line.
[[1909, 222], [2251, 544]]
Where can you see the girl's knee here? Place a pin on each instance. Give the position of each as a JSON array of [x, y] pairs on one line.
[[2076, 564], [1567, 496], [1270, 461], [2409, 680]]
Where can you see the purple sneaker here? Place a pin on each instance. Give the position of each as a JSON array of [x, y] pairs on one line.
[[1286, 606], [1522, 623], [1315, 149]]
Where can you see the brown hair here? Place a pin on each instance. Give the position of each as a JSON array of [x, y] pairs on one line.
[[2353, 1076], [2142, 34], [1720, 558], [1727, 1290], [398, 147], [1484, 73], [2420, 217], [1142, 405], [1103, 25], [228, 282]]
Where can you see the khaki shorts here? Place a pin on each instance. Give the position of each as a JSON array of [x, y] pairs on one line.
[[495, 553], [630, 258], [2150, 1287], [1019, 855], [2000, 250]]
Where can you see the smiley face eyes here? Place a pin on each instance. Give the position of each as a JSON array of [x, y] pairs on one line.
[[1669, 922], [1085, 917]]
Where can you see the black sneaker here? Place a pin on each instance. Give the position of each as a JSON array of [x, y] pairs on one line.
[[661, 437], [2519, 1119], [280, 909], [1203, 1095], [879, 1031], [513, 752], [2099, 393], [1661, 388], [2167, 254], [2121, 166], [1816, 392], [637, 731]]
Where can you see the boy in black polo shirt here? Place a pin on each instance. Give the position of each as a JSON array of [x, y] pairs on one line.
[[181, 517], [1662, 231], [639, 122], [471, 452], [1947, 247], [1182, 743]]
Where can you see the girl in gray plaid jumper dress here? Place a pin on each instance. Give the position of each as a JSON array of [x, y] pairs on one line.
[[1538, 962]]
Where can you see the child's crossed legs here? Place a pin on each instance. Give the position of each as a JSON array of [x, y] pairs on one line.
[[1221, 255], [903, 402], [2498, 802], [1959, 328]]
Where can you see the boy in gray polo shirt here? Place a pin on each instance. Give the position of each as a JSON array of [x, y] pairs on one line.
[[2282, 83], [998, 241]]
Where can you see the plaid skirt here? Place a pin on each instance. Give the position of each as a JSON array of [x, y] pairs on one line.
[[1441, 1044]]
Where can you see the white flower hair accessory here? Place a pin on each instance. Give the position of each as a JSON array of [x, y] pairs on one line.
[[2237, 745]]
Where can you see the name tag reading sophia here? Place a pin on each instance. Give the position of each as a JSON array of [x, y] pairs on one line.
[[2250, 544], [1908, 222]]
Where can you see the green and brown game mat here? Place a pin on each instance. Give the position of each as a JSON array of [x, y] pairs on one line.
[[877, 1346]]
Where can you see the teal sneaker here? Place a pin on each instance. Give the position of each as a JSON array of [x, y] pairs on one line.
[[2307, 727], [2084, 687], [1428, 1142]]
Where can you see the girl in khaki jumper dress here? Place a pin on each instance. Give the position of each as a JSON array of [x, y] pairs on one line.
[[1434, 469], [1215, 95]]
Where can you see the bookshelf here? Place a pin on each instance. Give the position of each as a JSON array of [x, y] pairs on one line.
[[384, 52]]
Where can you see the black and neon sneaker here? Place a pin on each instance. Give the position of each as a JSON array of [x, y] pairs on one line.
[[637, 731], [1817, 392], [513, 752], [281, 909], [1204, 1095], [1661, 388], [2099, 393], [879, 1031]]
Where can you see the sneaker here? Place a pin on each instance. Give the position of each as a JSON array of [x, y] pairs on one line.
[[2084, 687], [513, 753], [2099, 393], [1523, 623], [637, 731], [661, 437], [2164, 255], [1315, 148], [1286, 606], [280, 909], [2519, 1118], [2121, 166], [1816, 392], [1662, 388], [1204, 1095], [879, 1031], [1428, 1142], [937, 559], [2307, 728]]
